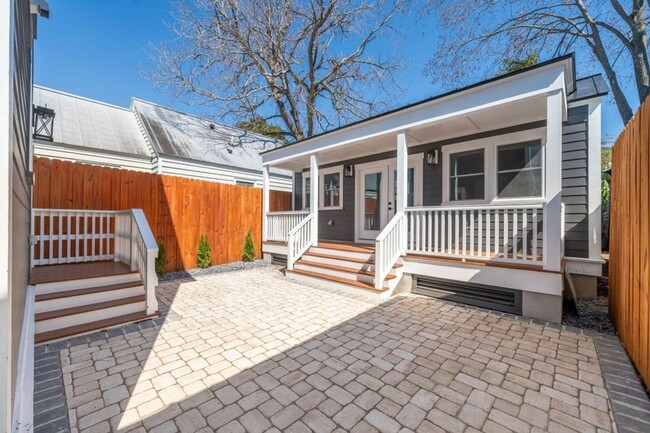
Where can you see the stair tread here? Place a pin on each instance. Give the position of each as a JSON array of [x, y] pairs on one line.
[[87, 291], [90, 326], [339, 280], [340, 268], [346, 247], [47, 315], [44, 274], [345, 259]]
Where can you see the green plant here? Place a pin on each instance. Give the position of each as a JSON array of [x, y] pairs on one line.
[[249, 248], [204, 253], [161, 260]]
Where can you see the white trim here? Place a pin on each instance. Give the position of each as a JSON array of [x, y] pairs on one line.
[[331, 170], [490, 146], [582, 266], [594, 197], [23, 416]]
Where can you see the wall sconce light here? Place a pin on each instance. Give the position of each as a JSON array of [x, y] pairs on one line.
[[348, 170], [432, 157]]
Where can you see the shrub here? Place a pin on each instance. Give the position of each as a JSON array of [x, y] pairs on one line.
[[204, 253], [161, 260], [249, 248]]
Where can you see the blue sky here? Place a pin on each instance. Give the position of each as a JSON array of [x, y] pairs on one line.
[[97, 49]]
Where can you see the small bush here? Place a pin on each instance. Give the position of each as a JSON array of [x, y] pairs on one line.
[[249, 248], [204, 253], [161, 260]]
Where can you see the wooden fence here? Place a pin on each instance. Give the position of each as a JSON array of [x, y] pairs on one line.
[[179, 210], [629, 266]]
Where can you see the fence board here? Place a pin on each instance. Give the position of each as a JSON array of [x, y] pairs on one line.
[[179, 210], [629, 267]]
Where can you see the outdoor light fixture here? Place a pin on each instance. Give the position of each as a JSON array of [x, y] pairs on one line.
[[432, 157], [348, 170]]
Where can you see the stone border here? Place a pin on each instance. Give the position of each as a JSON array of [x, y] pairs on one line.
[[629, 400]]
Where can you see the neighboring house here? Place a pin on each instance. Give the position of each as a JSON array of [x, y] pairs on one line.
[[152, 138], [486, 195], [18, 20]]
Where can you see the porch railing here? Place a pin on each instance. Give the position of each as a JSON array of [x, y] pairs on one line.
[[500, 233], [299, 240], [279, 224], [73, 236], [389, 246]]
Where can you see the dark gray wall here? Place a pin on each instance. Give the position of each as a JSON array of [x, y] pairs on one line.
[[297, 191], [574, 182]]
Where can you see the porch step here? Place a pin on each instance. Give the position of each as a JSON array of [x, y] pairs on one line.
[[339, 280], [87, 291], [91, 327], [54, 314], [352, 271], [346, 252], [334, 259]]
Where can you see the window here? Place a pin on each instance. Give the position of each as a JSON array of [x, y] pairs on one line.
[[467, 175], [306, 193], [519, 170], [331, 190]]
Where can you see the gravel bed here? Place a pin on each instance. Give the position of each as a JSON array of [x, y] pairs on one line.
[[591, 313], [218, 269]]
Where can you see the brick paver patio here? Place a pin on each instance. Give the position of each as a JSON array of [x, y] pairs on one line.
[[251, 351]]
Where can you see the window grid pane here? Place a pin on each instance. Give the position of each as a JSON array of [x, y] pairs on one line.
[[519, 170], [467, 175]]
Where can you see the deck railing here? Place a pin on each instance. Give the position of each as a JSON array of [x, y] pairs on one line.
[[279, 224], [389, 246], [299, 240], [73, 236], [500, 233]]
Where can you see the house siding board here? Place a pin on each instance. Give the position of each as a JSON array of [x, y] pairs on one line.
[[575, 182]]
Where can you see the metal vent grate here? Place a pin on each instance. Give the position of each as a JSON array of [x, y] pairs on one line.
[[279, 260], [480, 295]]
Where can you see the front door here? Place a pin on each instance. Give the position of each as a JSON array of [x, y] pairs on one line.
[[377, 194]]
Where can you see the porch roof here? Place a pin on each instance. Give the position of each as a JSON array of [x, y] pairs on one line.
[[520, 97]]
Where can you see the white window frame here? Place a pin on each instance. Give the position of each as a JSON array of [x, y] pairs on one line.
[[321, 184], [490, 145], [485, 175], [540, 168]]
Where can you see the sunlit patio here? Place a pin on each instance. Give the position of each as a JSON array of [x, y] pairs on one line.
[[251, 351]]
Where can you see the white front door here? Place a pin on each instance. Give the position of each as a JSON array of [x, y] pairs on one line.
[[377, 194]]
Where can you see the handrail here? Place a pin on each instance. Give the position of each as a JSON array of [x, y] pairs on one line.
[[389, 246], [299, 240], [289, 212], [478, 206]]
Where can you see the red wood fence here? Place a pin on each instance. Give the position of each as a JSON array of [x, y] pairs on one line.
[[629, 266], [179, 210]]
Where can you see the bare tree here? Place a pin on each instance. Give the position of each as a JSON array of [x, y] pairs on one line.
[[305, 65], [612, 34]]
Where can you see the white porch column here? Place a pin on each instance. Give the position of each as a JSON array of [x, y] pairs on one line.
[[402, 172], [314, 196], [265, 201], [553, 230]]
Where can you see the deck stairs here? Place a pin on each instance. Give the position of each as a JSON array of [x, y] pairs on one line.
[[345, 266], [79, 298]]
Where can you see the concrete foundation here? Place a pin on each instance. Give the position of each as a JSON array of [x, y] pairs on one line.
[[542, 306], [586, 286]]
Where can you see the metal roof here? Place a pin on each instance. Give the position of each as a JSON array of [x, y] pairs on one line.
[[177, 134], [92, 124], [589, 87]]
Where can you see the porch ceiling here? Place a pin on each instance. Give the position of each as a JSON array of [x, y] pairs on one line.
[[504, 116]]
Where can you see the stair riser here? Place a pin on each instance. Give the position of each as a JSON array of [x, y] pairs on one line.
[[92, 298], [371, 296], [341, 262], [85, 283], [91, 316], [335, 273], [344, 254]]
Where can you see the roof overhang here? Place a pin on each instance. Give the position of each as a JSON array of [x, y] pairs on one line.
[[528, 84]]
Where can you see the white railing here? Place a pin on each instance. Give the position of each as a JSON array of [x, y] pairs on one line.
[[389, 246], [136, 246], [279, 224], [299, 240], [71, 236], [74, 236], [500, 233]]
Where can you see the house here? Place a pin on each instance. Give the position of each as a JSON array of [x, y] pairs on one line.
[[18, 28], [488, 195], [149, 137]]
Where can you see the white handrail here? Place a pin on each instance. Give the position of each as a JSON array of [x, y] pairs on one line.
[[299, 240], [389, 246], [507, 233], [279, 224]]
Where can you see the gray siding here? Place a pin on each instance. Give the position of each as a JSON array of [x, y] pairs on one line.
[[574, 182]]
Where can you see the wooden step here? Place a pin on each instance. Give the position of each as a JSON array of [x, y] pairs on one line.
[[91, 327], [345, 259], [87, 291], [356, 248], [77, 271], [340, 268], [339, 280], [47, 315]]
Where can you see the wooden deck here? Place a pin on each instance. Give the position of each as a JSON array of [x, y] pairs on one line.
[[76, 271]]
